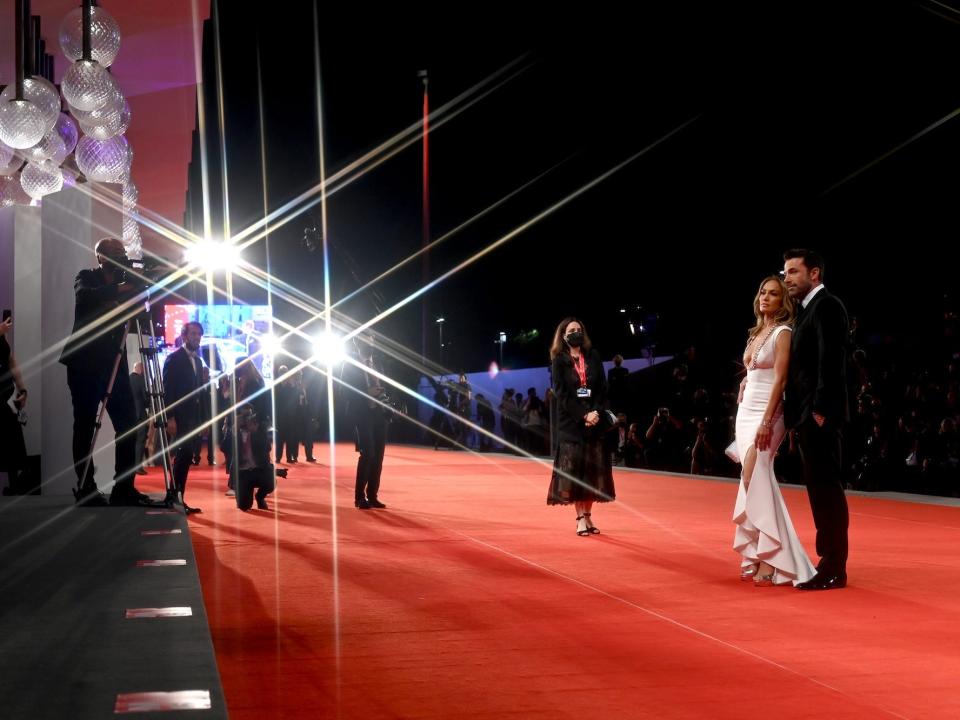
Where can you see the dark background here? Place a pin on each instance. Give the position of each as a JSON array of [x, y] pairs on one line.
[[788, 102]]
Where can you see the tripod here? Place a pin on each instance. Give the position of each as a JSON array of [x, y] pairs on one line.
[[153, 378]]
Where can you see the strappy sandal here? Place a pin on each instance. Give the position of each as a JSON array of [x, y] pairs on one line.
[[585, 531], [591, 528], [748, 571]]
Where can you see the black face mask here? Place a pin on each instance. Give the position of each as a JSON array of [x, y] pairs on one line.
[[575, 339]]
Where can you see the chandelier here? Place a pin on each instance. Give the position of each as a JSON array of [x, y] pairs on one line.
[[44, 148]]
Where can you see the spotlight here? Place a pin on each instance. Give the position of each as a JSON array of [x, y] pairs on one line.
[[211, 255], [271, 344], [328, 349]]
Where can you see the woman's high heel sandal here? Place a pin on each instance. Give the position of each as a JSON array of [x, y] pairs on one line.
[[593, 529], [582, 529], [763, 580], [748, 572]]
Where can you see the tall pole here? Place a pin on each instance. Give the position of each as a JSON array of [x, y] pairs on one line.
[[425, 263]]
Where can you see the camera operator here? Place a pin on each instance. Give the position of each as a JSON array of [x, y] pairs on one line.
[[370, 418], [89, 354]]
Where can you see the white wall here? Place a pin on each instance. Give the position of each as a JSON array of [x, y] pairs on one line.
[[20, 292], [72, 222]]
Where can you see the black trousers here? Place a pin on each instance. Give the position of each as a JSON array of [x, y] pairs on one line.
[[820, 452], [288, 438], [184, 454], [371, 442], [260, 479], [141, 441], [88, 381]]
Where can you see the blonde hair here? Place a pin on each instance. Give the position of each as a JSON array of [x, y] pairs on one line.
[[785, 315]]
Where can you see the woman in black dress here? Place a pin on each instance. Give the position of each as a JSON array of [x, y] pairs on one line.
[[582, 473]]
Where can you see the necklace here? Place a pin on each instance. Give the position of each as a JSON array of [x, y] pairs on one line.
[[756, 353]]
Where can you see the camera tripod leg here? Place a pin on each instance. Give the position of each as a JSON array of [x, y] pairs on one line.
[[83, 494], [153, 379]]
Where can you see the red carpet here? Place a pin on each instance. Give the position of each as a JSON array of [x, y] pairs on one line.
[[470, 598]]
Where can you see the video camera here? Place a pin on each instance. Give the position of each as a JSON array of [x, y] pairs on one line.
[[144, 272]]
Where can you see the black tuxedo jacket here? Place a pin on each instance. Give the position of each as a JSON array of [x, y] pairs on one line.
[[180, 381], [817, 381]]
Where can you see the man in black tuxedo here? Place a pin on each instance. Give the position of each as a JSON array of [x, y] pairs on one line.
[[816, 408], [182, 382], [90, 354], [370, 419]]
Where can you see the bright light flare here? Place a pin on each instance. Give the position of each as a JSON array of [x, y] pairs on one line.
[[271, 345], [211, 255], [329, 349]]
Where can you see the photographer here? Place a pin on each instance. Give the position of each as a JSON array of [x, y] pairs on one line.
[[251, 470], [90, 354], [704, 455], [13, 451], [633, 450], [663, 451]]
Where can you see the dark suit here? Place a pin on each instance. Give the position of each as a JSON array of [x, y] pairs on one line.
[[816, 383], [181, 381], [370, 420], [89, 357], [618, 379]]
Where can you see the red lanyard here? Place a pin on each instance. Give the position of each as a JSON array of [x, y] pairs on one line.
[[581, 367]]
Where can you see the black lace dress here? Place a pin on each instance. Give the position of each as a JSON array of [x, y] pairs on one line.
[[582, 469]]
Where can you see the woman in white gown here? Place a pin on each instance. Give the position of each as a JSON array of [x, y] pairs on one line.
[[765, 538]]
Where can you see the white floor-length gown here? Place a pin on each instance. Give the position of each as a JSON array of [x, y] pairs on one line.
[[764, 529]]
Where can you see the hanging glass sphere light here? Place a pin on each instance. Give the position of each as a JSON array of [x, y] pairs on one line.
[[104, 36], [50, 145], [87, 85], [68, 131], [41, 179], [11, 192], [42, 93], [103, 160]]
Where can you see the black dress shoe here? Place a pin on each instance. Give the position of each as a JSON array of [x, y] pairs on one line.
[[262, 503], [374, 503], [187, 510], [130, 497], [90, 498], [821, 581], [311, 459], [362, 504]]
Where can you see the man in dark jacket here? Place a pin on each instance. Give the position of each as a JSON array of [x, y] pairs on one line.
[[90, 354], [816, 408], [182, 387]]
